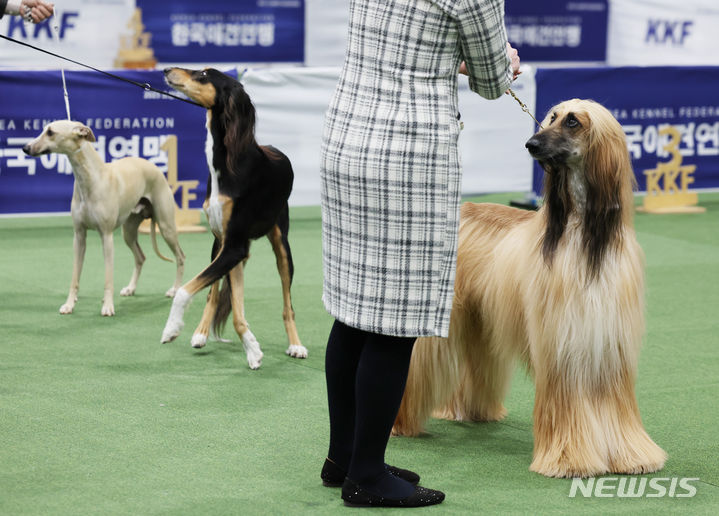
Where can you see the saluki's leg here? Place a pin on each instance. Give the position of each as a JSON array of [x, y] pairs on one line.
[[108, 307], [281, 247], [232, 252], [78, 245], [249, 342], [129, 233], [199, 338]]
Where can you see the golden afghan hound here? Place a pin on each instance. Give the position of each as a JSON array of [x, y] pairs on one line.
[[561, 289]]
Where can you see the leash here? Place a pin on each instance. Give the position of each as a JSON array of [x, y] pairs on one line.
[[524, 107], [56, 26], [145, 86]]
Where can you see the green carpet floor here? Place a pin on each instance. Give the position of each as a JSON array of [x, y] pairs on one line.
[[97, 417]]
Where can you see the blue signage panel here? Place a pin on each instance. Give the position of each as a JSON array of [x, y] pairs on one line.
[[217, 31], [648, 101], [126, 121], [558, 30]]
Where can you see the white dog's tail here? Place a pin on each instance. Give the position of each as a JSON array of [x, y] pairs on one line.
[[154, 241]]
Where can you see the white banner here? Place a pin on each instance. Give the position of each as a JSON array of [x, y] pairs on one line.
[[88, 31], [663, 32], [291, 105]]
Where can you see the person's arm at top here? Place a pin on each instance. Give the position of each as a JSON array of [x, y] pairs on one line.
[[485, 49], [38, 10]]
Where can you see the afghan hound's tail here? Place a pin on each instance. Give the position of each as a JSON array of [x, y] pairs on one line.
[[224, 308], [153, 237]]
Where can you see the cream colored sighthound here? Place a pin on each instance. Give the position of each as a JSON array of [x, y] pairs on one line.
[[106, 196]]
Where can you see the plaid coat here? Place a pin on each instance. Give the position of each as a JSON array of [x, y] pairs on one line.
[[390, 167]]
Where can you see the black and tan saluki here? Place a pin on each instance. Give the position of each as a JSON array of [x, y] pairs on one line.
[[247, 192]]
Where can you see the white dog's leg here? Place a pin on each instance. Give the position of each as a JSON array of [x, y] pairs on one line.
[[175, 321], [79, 241], [129, 233], [108, 307]]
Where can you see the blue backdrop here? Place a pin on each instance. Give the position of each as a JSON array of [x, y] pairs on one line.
[[126, 121], [645, 99], [218, 31], [558, 30]]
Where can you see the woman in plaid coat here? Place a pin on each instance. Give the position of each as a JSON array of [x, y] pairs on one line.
[[391, 181]]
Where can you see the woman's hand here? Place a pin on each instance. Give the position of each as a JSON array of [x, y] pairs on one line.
[[514, 58]]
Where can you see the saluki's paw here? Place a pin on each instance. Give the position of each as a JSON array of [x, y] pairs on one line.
[[127, 291], [171, 331], [171, 292], [66, 309], [198, 340], [252, 349], [297, 351], [107, 310]]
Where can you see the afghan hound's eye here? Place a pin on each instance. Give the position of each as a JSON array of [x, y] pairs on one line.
[[203, 73], [554, 117], [50, 132], [571, 122]]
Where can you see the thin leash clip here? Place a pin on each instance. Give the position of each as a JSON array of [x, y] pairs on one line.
[[524, 107]]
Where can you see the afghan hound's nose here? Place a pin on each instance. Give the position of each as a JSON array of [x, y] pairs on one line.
[[26, 149], [532, 145]]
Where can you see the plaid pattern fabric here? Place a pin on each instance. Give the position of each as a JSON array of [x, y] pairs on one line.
[[391, 174]]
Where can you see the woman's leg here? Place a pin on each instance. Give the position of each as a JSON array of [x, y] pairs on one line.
[[342, 356], [380, 381]]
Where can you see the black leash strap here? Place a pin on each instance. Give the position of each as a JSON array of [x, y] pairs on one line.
[[144, 86]]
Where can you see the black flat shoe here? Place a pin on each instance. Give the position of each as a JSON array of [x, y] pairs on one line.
[[333, 476], [354, 496]]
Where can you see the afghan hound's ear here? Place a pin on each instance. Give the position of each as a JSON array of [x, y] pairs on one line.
[[239, 122], [610, 181]]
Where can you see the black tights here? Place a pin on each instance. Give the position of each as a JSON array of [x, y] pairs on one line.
[[366, 376]]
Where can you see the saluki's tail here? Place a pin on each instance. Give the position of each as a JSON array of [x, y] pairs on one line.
[[224, 308], [153, 237]]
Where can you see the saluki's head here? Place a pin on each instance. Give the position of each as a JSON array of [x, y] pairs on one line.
[[62, 136], [230, 110], [583, 151]]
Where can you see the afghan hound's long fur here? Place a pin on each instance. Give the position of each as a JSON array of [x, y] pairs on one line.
[[561, 289]]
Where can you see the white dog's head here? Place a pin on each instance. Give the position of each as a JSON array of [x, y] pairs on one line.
[[61, 136]]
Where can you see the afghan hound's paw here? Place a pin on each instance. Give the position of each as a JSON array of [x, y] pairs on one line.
[[108, 310], [496, 413], [171, 292], [198, 340], [561, 467], [648, 459], [66, 309], [127, 291], [297, 351], [252, 349], [405, 428]]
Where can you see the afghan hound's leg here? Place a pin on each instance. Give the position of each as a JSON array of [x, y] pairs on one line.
[[487, 378], [434, 374], [129, 233], [632, 451], [585, 428], [281, 247], [249, 342]]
